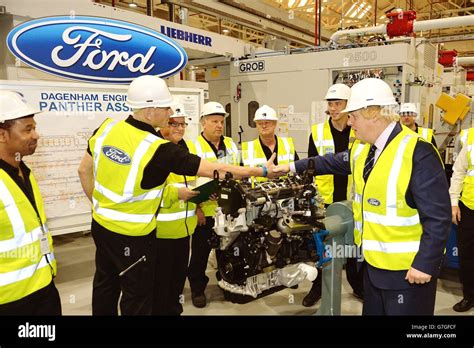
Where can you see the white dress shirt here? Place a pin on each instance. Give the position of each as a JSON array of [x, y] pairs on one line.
[[459, 172]]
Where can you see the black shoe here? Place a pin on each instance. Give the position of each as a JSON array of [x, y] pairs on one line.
[[464, 305], [199, 300], [312, 297]]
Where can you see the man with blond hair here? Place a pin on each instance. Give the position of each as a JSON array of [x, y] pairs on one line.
[[402, 213]]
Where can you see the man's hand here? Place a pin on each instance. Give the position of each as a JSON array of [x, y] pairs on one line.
[[279, 170], [417, 277], [184, 193], [270, 165], [456, 214], [201, 217]]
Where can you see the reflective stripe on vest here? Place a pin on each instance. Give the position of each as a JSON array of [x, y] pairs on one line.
[[253, 154], [25, 272], [391, 229], [467, 195], [175, 216], [21, 269], [324, 143], [178, 220], [120, 216], [119, 203], [426, 133], [127, 195], [204, 150]]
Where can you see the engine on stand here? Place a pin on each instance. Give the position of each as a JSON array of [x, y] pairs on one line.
[[264, 234]]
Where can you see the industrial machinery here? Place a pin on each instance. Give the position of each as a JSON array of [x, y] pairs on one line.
[[269, 235], [264, 233]]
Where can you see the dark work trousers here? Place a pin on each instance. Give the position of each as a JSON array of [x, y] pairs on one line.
[[200, 250], [43, 302], [355, 274], [466, 250], [172, 257], [419, 299], [115, 253]]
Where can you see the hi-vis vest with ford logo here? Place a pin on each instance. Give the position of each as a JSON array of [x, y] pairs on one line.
[[386, 226], [253, 155], [175, 221], [324, 143], [23, 268], [120, 153], [204, 150], [467, 196]]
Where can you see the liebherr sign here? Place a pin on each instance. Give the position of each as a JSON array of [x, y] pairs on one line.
[[95, 49]]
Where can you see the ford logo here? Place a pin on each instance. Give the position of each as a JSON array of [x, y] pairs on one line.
[[95, 49], [374, 202], [116, 155]]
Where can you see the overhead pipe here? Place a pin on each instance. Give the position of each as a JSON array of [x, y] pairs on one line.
[[464, 61], [432, 24]]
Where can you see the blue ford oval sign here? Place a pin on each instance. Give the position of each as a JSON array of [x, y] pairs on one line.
[[116, 155], [95, 49]]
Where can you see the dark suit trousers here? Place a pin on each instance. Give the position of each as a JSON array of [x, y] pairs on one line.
[[414, 300], [466, 250]]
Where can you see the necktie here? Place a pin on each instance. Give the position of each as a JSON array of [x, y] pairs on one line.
[[369, 162]]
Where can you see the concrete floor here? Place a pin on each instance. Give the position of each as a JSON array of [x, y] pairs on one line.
[[75, 255]]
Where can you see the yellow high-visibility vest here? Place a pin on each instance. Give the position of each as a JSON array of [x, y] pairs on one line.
[[426, 133], [253, 155], [120, 153], [204, 150], [388, 229], [23, 268], [467, 196], [175, 221], [324, 143]]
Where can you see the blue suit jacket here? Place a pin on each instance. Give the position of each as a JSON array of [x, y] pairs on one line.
[[427, 192]]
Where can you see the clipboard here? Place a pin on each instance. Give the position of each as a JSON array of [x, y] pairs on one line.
[[205, 191]]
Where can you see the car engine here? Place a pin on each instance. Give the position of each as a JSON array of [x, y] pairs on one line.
[[263, 233]]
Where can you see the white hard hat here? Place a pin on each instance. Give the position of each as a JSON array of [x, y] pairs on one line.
[[178, 110], [13, 107], [265, 113], [408, 108], [213, 108], [369, 92], [149, 91], [339, 91]]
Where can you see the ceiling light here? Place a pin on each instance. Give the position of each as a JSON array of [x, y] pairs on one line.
[[226, 31], [132, 4]]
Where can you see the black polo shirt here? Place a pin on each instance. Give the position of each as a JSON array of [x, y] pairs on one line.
[[341, 143]]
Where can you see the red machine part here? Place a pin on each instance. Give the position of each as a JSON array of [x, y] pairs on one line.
[[470, 75], [401, 23], [447, 58]]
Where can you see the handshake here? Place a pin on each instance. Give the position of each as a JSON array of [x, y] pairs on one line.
[[275, 171]]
